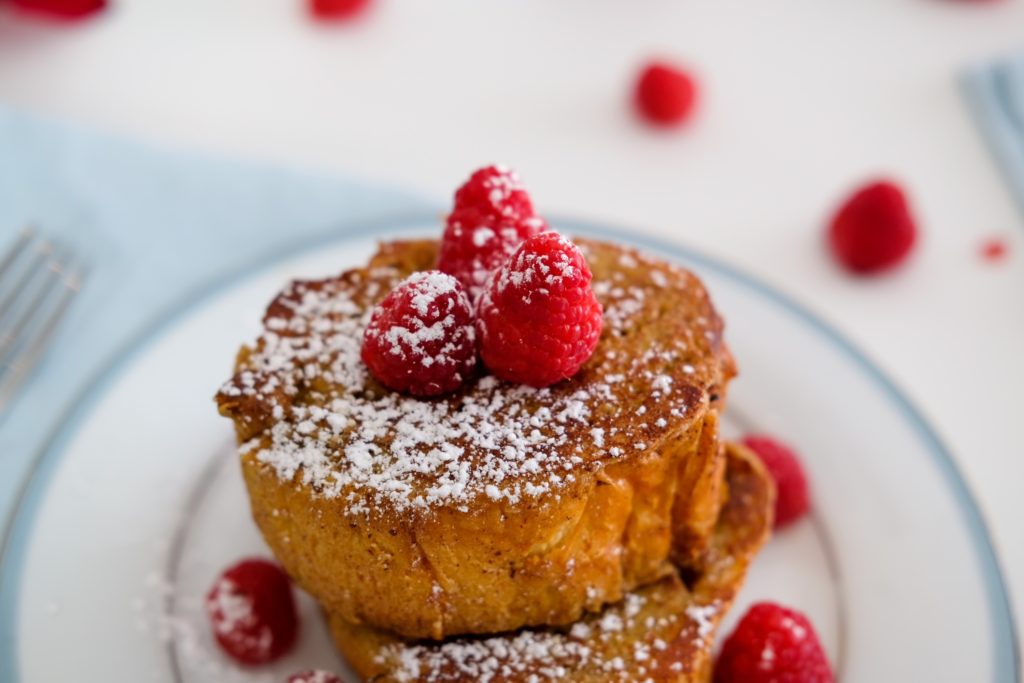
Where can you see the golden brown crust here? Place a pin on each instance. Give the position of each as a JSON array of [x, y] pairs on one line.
[[701, 494], [504, 565], [662, 632], [524, 506]]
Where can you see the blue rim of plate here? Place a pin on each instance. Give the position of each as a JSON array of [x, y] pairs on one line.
[[1006, 651]]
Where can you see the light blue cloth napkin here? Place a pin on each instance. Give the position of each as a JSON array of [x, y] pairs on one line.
[[995, 95], [158, 226]]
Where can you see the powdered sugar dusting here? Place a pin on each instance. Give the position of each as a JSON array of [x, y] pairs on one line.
[[233, 610], [439, 333], [537, 271], [188, 631], [531, 655], [618, 645], [500, 187], [704, 617], [231, 613], [317, 417], [431, 286]]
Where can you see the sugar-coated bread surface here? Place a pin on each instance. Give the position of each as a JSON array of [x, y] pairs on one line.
[[499, 506], [662, 632]]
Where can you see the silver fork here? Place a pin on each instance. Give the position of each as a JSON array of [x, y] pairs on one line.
[[38, 281]]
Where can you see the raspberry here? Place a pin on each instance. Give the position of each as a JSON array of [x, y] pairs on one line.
[[337, 10], [873, 230], [782, 463], [475, 244], [252, 610], [773, 644], [491, 218], [420, 339], [495, 190], [314, 676], [61, 9], [538, 319], [665, 95], [994, 249]]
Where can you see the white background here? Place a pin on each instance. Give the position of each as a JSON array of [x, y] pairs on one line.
[[801, 99]]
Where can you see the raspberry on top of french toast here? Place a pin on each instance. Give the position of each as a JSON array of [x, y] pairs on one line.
[[304, 402]]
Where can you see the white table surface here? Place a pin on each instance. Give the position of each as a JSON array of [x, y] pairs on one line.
[[800, 101]]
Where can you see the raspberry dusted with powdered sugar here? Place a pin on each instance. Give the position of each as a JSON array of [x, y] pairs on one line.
[[491, 217], [773, 644], [314, 676], [420, 339], [476, 243], [252, 610], [538, 318], [496, 190]]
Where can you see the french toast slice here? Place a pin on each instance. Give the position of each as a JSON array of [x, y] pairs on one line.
[[499, 506], [661, 632]]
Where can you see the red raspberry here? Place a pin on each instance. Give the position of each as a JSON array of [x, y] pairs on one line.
[[994, 249], [337, 10], [420, 339], [665, 95], [873, 230], [782, 463], [773, 644], [475, 244], [492, 216], [252, 610], [314, 676], [538, 319], [495, 190], [61, 9]]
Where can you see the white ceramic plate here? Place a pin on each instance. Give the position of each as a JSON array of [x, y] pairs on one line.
[[138, 504]]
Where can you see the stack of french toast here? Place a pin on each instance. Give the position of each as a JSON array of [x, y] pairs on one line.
[[594, 530]]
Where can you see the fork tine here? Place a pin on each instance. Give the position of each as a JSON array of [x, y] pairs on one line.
[[28, 274], [26, 236], [17, 369], [10, 338]]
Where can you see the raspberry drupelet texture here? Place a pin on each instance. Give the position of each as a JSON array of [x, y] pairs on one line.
[[781, 461], [252, 611], [491, 217], [496, 190], [538, 319], [420, 339], [665, 95], [873, 229], [773, 644]]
